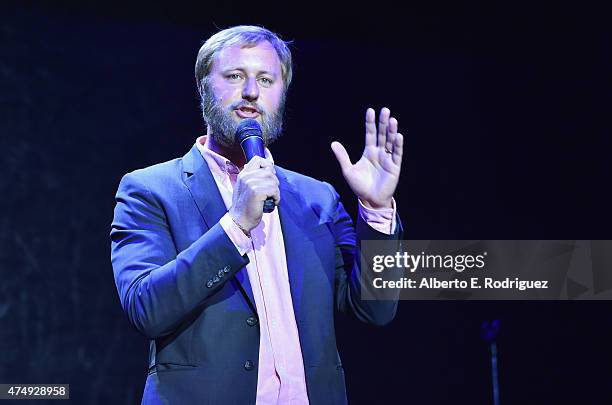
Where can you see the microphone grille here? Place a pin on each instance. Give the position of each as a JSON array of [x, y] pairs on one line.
[[248, 127]]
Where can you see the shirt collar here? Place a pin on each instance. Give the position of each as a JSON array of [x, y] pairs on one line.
[[219, 165]]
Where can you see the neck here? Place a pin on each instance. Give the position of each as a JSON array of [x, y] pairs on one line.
[[233, 153]]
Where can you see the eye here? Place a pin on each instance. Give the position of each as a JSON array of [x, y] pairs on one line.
[[265, 81], [233, 77]]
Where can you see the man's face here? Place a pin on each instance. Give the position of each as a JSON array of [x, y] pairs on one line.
[[244, 83]]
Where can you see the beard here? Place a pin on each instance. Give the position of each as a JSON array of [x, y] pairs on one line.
[[223, 125]]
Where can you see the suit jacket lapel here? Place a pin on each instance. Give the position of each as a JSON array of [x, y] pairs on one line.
[[199, 180], [201, 184], [291, 216]]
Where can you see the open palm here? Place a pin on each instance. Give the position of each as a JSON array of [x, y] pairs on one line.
[[375, 176]]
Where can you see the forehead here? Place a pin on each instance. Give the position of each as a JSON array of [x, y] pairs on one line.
[[261, 57]]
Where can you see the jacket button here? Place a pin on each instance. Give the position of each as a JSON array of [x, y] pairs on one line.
[[248, 365], [251, 321], [209, 284]]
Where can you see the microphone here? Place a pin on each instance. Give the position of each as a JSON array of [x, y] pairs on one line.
[[250, 137]]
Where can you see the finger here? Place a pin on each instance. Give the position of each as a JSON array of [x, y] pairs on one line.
[[268, 170], [265, 191], [265, 174], [383, 123], [398, 149], [370, 127], [391, 134], [251, 164], [276, 196], [341, 155], [256, 162]]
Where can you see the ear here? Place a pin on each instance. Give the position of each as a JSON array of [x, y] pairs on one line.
[[200, 86]]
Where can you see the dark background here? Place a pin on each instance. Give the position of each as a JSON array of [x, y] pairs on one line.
[[505, 108]]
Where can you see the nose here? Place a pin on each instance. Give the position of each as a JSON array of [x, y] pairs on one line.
[[250, 91]]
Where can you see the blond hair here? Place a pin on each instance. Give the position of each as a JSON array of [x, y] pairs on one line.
[[246, 36]]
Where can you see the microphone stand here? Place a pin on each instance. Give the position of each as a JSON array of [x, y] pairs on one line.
[[489, 333]]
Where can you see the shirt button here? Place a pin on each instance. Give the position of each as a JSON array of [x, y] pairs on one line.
[[251, 321], [248, 365]]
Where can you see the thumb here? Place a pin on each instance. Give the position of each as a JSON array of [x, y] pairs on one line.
[[341, 155]]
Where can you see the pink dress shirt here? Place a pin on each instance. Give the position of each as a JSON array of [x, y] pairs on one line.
[[280, 378]]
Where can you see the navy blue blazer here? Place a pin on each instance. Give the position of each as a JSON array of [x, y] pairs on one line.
[[183, 284]]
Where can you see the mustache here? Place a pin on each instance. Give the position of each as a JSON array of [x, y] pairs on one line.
[[243, 103]]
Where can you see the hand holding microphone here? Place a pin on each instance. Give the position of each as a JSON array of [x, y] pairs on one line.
[[256, 190]]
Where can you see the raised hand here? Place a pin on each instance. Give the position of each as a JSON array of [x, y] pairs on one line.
[[374, 177]]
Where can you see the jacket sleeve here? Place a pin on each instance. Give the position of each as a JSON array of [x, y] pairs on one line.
[[351, 278], [158, 286]]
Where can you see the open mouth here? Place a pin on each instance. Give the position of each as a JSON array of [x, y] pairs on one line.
[[247, 112]]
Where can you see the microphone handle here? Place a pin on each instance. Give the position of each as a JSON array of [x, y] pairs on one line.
[[252, 145], [268, 205]]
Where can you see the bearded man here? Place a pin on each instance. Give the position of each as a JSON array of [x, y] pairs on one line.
[[239, 304]]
